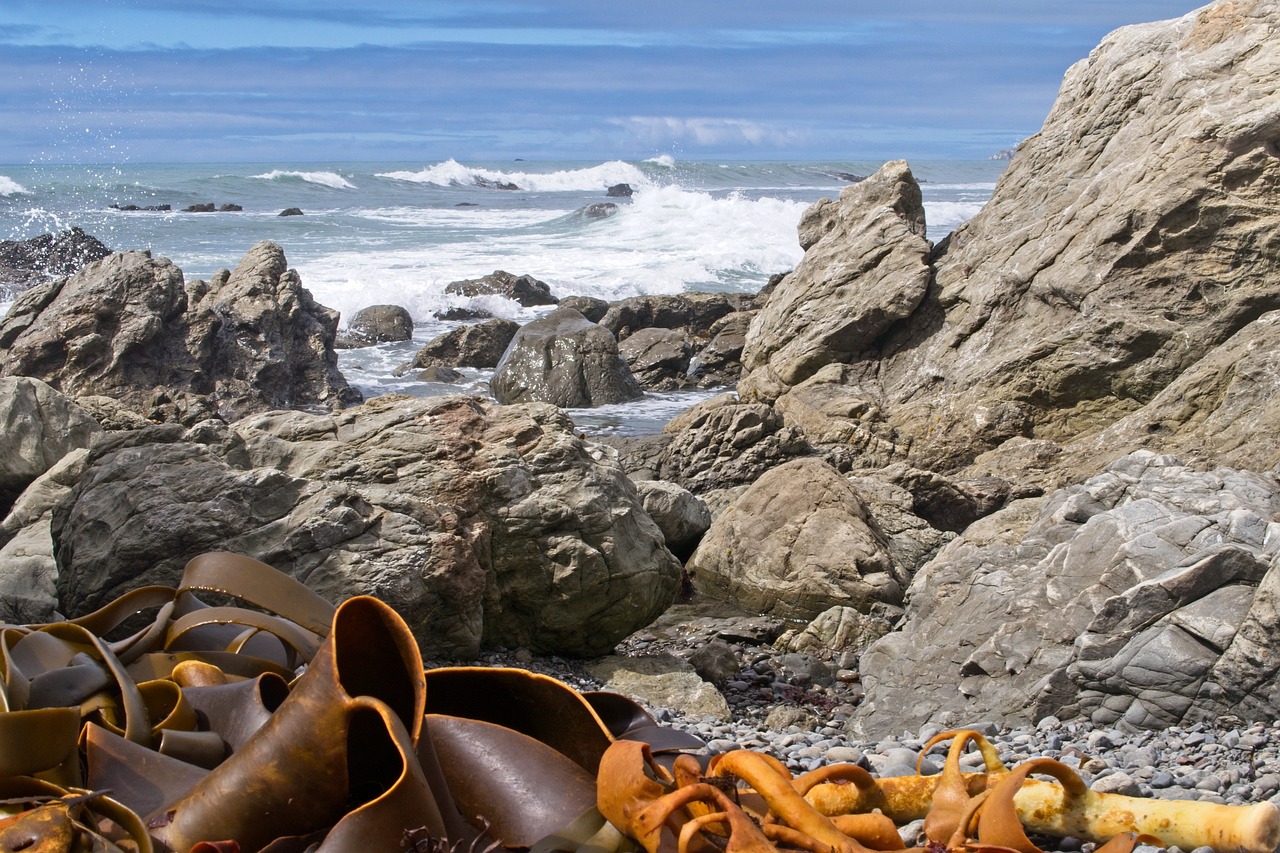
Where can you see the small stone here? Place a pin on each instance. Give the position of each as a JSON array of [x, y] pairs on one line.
[[1163, 779], [1117, 783]]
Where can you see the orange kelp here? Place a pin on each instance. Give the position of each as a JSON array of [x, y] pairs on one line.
[[284, 723]]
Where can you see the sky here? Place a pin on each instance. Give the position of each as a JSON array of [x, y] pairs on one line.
[[118, 81]]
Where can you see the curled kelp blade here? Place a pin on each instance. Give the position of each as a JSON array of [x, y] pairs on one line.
[[535, 705], [518, 786], [627, 719], [259, 584], [139, 777], [237, 709]]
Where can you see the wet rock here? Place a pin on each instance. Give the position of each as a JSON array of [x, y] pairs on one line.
[[376, 324], [478, 345], [523, 289]]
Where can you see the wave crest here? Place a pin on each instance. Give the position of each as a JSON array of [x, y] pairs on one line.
[[325, 179], [8, 186], [453, 173]]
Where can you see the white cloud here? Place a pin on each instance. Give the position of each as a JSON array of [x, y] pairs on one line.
[[661, 131]]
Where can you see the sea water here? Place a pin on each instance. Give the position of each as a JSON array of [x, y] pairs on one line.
[[398, 233]]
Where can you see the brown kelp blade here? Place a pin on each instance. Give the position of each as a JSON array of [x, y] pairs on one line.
[[535, 705], [520, 787], [627, 719], [237, 709], [140, 778]]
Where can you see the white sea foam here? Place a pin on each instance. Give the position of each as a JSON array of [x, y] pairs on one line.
[[326, 179], [8, 186], [943, 217], [453, 173], [663, 160]]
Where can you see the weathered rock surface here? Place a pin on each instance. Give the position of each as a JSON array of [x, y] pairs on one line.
[[476, 345], [658, 358], [524, 289], [129, 327], [692, 313], [38, 426], [1140, 597], [799, 541], [24, 263], [564, 359], [662, 681], [481, 524], [866, 267], [376, 324], [680, 515]]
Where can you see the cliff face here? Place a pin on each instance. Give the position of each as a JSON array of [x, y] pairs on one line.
[[1132, 236]]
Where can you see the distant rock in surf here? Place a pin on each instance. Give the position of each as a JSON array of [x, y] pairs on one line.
[[620, 191], [290, 211], [230, 208], [490, 184], [524, 289], [204, 207], [599, 210], [130, 208]]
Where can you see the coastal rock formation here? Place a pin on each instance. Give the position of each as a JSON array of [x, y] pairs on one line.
[[692, 313], [483, 525], [129, 327], [799, 541], [523, 289], [658, 358], [24, 263], [1142, 597], [38, 426], [565, 359], [477, 345], [376, 324], [681, 515], [866, 267]]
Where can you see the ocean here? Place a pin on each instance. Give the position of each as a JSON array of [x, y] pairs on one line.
[[398, 233]]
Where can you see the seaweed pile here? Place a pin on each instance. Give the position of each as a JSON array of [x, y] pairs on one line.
[[278, 722]]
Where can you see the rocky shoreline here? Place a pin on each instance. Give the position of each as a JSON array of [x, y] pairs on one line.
[[1025, 478]]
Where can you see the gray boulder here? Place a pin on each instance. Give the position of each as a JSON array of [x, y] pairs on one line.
[[564, 359], [376, 324], [1140, 597], [129, 327], [658, 358], [680, 515], [799, 541], [477, 345], [523, 289], [482, 525]]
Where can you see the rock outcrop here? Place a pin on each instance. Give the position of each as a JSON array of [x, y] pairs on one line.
[[483, 525], [24, 263], [799, 541], [1141, 597], [476, 345], [129, 327], [564, 359]]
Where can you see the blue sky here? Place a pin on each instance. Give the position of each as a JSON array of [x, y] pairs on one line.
[[317, 80]]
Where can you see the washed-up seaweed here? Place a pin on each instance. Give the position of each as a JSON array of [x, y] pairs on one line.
[[283, 723]]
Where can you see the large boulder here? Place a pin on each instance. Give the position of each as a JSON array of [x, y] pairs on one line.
[[129, 327], [1143, 597], [482, 525], [38, 426], [865, 268], [475, 345], [692, 313], [799, 541], [564, 359], [376, 324], [658, 358]]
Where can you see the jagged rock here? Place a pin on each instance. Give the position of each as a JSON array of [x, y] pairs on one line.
[[38, 426], [524, 289], [478, 345], [129, 327], [681, 516], [866, 268], [800, 540], [376, 324], [564, 359], [1139, 598], [481, 524], [658, 358], [24, 263]]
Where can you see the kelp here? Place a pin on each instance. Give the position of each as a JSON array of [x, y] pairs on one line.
[[284, 724]]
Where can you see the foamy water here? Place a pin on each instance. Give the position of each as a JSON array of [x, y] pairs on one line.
[[400, 233]]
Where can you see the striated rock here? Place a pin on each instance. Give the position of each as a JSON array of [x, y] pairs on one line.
[[24, 263], [524, 289], [130, 328], [481, 524], [866, 267], [376, 324], [564, 359], [799, 541], [1137, 598], [477, 345]]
